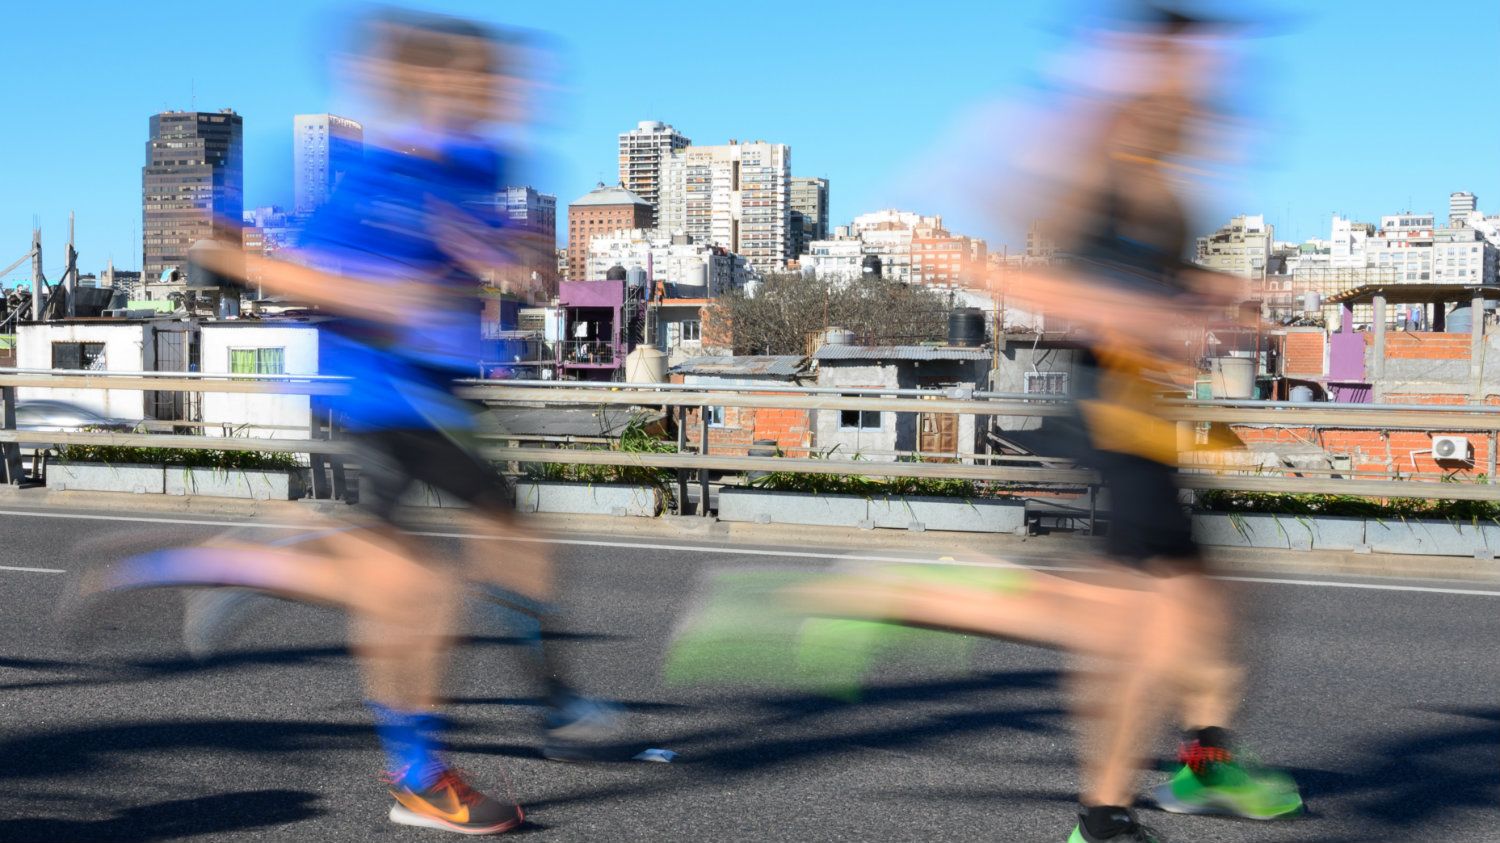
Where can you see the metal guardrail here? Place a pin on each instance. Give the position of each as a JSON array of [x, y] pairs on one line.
[[1481, 418]]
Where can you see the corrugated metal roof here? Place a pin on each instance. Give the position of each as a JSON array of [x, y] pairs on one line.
[[899, 352], [767, 365]]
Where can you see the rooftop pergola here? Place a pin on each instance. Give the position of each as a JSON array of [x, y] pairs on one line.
[[1439, 295]]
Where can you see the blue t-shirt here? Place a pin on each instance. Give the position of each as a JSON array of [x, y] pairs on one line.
[[400, 218]]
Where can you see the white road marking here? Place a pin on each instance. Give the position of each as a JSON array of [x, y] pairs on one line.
[[33, 570], [741, 551]]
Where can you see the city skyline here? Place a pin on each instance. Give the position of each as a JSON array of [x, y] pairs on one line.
[[1324, 146]]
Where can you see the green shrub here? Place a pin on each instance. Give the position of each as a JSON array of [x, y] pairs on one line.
[[869, 487], [1347, 506], [219, 458], [633, 440]]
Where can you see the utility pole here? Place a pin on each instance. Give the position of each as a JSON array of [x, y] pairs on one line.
[[70, 275], [37, 281]]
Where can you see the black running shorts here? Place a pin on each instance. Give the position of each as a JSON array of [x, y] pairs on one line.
[[1149, 529], [397, 460]]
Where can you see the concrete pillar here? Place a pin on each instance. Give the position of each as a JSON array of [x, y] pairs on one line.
[[1476, 350], [1377, 368]]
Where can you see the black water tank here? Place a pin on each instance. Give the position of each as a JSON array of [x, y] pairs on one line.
[[966, 327], [870, 265], [615, 273]]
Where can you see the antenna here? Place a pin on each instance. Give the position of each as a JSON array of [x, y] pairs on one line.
[[193, 94]]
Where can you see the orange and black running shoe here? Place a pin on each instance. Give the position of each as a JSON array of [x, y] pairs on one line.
[[450, 804]]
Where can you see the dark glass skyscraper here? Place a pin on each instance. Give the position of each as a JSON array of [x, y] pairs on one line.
[[194, 175]]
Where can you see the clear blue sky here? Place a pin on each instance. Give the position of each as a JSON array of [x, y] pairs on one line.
[[1369, 107]]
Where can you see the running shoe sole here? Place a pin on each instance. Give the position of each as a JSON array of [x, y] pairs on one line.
[[1168, 801], [401, 815]]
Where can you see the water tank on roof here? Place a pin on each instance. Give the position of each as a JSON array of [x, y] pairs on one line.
[[646, 365], [1312, 301], [838, 336], [615, 273], [870, 265], [1460, 320], [635, 278], [1232, 377], [966, 327], [696, 277]]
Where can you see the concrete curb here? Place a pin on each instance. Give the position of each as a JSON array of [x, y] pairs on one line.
[[1060, 550]]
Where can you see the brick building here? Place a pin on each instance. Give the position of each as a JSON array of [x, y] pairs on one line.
[[603, 210], [732, 430]]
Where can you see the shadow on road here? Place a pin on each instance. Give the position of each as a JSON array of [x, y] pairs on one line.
[[173, 820]]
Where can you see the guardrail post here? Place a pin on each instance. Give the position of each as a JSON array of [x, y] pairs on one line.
[[1489, 469], [682, 482], [14, 472], [336, 463], [703, 472], [317, 463]]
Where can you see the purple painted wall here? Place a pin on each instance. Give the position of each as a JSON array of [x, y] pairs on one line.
[[591, 294]]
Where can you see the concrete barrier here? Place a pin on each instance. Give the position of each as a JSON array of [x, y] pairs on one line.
[[762, 506], [105, 477], [588, 498], [255, 484], [1412, 537]]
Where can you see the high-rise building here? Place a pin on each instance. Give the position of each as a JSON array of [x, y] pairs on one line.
[[194, 176], [323, 148], [529, 210], [641, 151], [737, 196], [809, 212], [1241, 247], [603, 210], [1460, 205]]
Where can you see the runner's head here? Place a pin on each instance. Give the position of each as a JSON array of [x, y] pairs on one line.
[[444, 74]]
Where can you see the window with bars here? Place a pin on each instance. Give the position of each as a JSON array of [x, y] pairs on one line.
[[1046, 383], [78, 355]]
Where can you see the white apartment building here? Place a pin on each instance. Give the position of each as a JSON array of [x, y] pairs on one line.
[[1462, 256], [737, 196], [837, 259], [1348, 243], [1241, 247], [697, 270], [1402, 248], [641, 151], [323, 148], [1460, 205]]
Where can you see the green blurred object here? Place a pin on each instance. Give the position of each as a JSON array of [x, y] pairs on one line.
[[746, 634]]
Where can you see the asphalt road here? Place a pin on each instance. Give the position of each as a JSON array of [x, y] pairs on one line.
[[1380, 700]]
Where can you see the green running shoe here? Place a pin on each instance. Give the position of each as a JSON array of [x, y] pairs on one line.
[[1228, 788], [744, 631]]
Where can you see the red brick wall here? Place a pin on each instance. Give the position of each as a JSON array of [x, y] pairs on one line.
[[1303, 355], [1375, 453], [1423, 345], [743, 425]]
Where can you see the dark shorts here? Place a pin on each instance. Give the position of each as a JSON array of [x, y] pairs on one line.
[[397, 460], [1149, 529]]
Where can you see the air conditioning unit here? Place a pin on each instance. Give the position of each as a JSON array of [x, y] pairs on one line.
[[1451, 448]]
